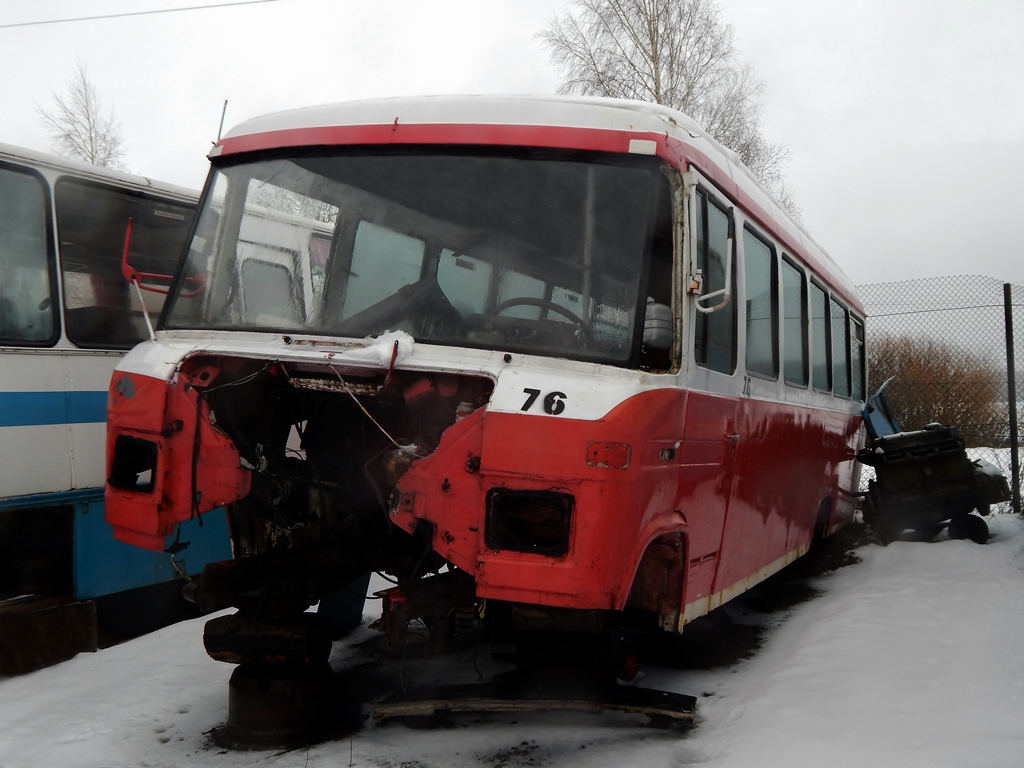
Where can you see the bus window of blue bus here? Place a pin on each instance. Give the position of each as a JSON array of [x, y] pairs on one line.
[[102, 309], [26, 309]]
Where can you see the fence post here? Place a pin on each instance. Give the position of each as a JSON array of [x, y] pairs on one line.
[[1011, 396]]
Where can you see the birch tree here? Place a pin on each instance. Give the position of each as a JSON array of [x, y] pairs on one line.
[[672, 52], [80, 128]]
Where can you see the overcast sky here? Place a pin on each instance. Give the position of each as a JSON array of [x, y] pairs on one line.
[[905, 118]]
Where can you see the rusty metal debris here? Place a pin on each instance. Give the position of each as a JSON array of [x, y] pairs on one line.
[[504, 696]]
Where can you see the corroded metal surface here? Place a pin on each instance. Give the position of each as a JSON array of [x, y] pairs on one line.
[[502, 697], [36, 633]]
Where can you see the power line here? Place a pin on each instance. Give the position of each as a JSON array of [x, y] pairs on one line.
[[135, 13]]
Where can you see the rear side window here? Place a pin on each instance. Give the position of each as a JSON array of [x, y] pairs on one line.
[[840, 350], [761, 281], [857, 359], [794, 324], [821, 340]]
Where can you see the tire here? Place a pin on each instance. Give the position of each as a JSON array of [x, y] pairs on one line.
[[888, 531], [969, 527], [821, 524], [869, 509]]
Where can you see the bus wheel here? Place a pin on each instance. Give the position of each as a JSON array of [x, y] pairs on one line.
[[889, 530], [821, 523], [969, 527]]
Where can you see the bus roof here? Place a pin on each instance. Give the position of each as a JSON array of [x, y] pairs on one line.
[[554, 121], [79, 169]]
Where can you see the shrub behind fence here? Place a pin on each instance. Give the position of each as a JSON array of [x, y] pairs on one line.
[[945, 341]]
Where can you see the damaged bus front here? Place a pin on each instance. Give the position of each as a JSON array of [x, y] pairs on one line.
[[423, 360]]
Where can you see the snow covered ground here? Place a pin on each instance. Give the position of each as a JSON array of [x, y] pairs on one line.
[[912, 657]]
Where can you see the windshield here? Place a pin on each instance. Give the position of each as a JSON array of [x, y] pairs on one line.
[[525, 251]]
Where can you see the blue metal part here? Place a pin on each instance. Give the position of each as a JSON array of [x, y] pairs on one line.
[[60, 499], [344, 608], [103, 565], [878, 417], [28, 409]]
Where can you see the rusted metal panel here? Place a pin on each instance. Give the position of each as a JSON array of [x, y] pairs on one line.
[[38, 633], [503, 697], [610, 455]]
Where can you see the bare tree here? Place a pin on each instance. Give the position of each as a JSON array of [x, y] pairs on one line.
[[80, 128], [672, 52]]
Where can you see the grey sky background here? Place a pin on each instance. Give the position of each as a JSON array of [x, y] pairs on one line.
[[905, 118]]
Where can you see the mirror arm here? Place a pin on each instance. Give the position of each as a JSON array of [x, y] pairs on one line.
[[726, 292]]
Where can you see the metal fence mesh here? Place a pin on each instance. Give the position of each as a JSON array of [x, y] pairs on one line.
[[944, 339]]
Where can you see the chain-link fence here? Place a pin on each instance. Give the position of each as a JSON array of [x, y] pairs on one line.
[[945, 341]]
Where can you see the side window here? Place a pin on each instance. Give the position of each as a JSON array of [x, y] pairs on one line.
[[514, 285], [840, 350], [794, 324], [27, 307], [715, 333], [101, 308], [268, 293], [857, 359], [368, 284], [465, 280], [821, 340], [761, 282], [290, 235]]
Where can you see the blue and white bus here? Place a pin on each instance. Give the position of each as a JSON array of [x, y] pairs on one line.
[[67, 316]]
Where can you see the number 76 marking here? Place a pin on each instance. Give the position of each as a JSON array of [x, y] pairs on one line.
[[554, 402]]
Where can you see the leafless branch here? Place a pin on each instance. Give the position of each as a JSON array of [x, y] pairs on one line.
[[672, 52], [79, 127]]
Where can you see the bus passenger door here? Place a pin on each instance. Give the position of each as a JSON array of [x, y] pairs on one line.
[[708, 448], [705, 456]]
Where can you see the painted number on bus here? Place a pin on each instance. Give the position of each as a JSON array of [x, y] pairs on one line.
[[554, 402]]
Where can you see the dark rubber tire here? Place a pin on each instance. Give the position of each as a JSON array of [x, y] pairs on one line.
[[969, 527]]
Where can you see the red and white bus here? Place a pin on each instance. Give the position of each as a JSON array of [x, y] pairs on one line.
[[565, 356]]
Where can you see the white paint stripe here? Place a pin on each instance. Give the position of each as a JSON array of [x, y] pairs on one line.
[[705, 605]]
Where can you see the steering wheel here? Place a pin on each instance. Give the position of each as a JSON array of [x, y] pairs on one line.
[[543, 304]]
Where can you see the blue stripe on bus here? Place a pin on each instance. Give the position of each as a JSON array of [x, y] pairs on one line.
[[29, 409]]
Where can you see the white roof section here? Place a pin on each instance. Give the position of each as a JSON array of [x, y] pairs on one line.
[[62, 165], [593, 113], [578, 112]]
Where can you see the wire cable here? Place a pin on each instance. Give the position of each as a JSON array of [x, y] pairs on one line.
[[135, 13]]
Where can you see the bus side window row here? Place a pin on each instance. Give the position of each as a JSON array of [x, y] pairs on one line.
[[822, 343], [102, 312]]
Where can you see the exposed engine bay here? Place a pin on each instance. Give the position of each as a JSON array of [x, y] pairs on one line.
[[326, 447]]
